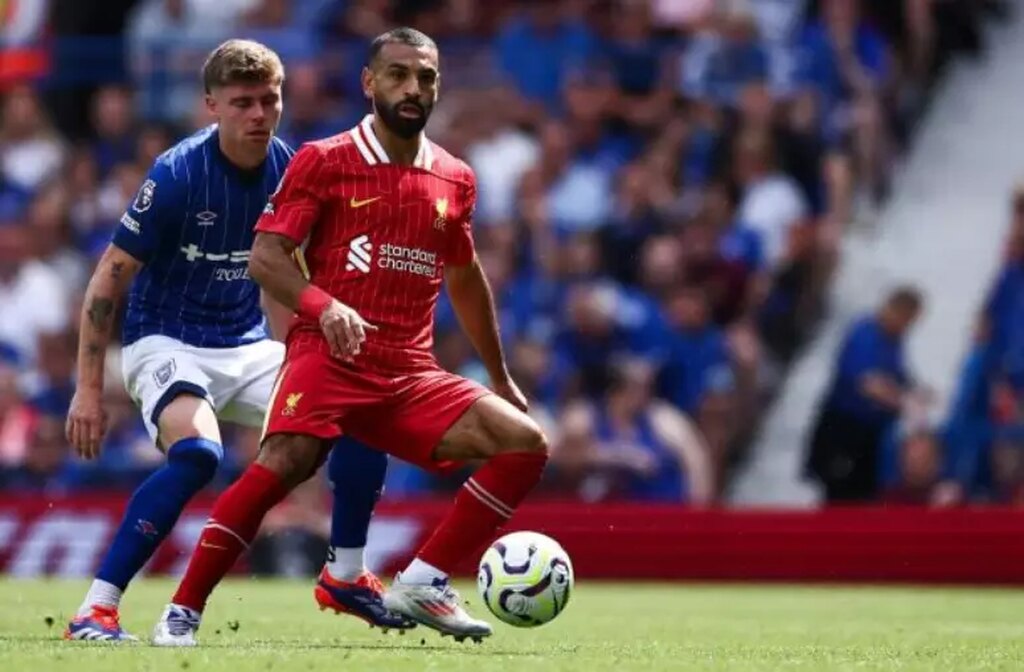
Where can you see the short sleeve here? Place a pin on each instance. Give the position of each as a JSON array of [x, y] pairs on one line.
[[460, 245], [997, 301], [860, 355], [158, 204], [296, 204]]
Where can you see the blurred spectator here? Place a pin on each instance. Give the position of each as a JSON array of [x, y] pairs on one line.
[[870, 388], [52, 386], [16, 416], [30, 150], [638, 60], [677, 16], [51, 238], [46, 466], [1007, 466], [591, 337], [986, 417], [540, 46], [918, 458], [846, 62], [771, 203], [635, 219], [153, 140], [699, 375], [113, 113], [83, 186], [572, 187], [23, 57], [723, 59], [309, 113], [168, 40], [629, 445], [32, 298]]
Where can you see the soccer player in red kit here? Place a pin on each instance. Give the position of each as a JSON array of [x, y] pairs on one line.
[[383, 216]]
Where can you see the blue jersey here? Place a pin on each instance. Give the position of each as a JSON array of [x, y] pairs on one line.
[[192, 225]]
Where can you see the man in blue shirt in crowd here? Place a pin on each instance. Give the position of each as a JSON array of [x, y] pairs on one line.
[[196, 347], [870, 387]]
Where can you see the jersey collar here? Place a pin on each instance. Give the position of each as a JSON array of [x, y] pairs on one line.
[[373, 152]]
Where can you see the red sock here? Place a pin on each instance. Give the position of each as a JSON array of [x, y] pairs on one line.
[[233, 524], [484, 503]]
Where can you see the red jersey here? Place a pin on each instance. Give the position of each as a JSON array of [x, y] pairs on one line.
[[376, 236]]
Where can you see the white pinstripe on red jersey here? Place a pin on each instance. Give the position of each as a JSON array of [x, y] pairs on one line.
[[343, 193]]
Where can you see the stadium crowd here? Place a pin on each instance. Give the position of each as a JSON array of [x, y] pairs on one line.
[[878, 436], [662, 188]]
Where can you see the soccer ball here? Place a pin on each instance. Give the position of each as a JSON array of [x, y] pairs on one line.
[[525, 579]]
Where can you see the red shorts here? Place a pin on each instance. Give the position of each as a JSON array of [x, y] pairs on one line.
[[406, 415]]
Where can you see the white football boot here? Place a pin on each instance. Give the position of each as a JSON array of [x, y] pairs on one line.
[[177, 627], [436, 606]]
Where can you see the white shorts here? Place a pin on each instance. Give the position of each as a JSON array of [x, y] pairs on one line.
[[238, 382]]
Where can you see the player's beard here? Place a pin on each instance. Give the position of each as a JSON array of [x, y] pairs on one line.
[[404, 127]]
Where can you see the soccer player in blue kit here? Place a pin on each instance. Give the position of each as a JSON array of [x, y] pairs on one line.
[[195, 341]]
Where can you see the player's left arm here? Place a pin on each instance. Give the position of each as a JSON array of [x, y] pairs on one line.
[[474, 306], [473, 302]]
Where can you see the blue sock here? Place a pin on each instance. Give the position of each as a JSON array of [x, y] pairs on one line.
[[356, 473], [155, 506]]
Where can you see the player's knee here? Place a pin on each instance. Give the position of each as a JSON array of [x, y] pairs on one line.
[[187, 416], [535, 441], [524, 437], [197, 457], [293, 458]]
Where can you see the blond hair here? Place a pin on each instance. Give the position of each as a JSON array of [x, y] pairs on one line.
[[242, 62]]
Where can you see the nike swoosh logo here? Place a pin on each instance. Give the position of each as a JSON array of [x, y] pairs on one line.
[[206, 544], [353, 203]]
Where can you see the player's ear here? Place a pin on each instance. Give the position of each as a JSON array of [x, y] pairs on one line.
[[366, 79], [211, 103]]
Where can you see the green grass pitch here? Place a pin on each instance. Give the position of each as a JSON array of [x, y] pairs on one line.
[[275, 626]]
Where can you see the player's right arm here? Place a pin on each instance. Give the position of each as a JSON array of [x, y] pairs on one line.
[[285, 224], [133, 243]]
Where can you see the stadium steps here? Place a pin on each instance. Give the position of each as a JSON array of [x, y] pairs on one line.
[[942, 231]]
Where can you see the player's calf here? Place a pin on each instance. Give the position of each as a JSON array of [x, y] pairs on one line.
[[293, 458], [516, 451], [284, 461], [187, 426]]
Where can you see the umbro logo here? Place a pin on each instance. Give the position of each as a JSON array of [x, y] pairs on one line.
[[206, 218], [359, 254]]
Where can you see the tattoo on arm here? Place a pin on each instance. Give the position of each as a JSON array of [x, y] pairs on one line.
[[100, 311], [93, 351], [115, 269]]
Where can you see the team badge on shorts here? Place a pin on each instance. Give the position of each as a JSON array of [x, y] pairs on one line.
[[144, 199], [163, 375], [291, 403]]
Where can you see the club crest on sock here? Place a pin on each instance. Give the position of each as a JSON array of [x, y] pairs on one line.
[[146, 528]]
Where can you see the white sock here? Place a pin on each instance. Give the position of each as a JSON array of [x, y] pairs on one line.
[[421, 573], [345, 564], [100, 593]]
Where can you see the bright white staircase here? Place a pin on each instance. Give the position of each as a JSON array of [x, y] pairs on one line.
[[942, 231]]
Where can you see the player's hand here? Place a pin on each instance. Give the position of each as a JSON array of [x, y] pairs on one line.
[[344, 329], [510, 392], [87, 422]]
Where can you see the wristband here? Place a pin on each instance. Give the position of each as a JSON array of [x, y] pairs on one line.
[[313, 301]]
